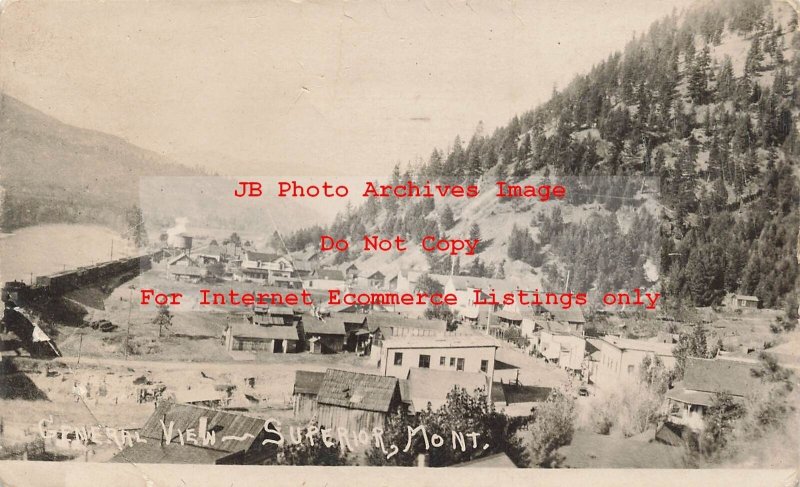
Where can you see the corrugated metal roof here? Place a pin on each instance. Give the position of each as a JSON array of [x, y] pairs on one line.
[[234, 432], [307, 382], [355, 390]]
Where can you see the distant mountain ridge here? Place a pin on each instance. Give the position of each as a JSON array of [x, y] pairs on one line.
[[52, 172]]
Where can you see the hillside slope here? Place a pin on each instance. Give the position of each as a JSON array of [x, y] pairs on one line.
[[704, 107], [54, 172]]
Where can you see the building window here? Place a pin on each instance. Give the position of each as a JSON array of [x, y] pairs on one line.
[[398, 358], [460, 364], [442, 360], [452, 361], [424, 361], [630, 369], [484, 365]]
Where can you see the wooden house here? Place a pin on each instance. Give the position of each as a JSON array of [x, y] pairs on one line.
[[304, 393], [325, 335], [356, 401], [218, 437], [249, 337]]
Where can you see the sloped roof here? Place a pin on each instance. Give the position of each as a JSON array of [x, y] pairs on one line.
[[188, 270], [330, 274], [330, 326], [432, 385], [273, 310], [277, 332], [498, 460], [355, 390], [508, 315], [376, 320], [179, 258], [715, 375], [261, 256], [234, 432], [174, 453], [307, 382], [629, 344], [574, 314], [747, 298]]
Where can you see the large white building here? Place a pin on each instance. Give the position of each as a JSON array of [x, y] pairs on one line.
[[620, 359], [472, 353]]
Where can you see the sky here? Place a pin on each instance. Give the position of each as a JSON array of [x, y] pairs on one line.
[[290, 88]]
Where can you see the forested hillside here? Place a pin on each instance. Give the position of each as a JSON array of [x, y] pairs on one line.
[[705, 103]]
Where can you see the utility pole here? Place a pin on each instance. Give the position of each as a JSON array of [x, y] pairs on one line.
[[80, 347], [112, 250], [130, 307]]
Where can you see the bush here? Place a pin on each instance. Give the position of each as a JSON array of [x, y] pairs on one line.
[[553, 426]]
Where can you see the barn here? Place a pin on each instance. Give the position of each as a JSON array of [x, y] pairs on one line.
[[356, 401]]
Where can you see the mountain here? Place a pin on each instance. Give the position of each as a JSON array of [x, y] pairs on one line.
[[53, 172], [681, 153]]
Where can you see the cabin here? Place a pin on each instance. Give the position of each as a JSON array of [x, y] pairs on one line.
[[374, 280], [741, 301], [184, 268], [218, 438], [273, 315], [620, 359], [245, 336], [324, 280], [350, 270], [356, 401], [324, 335], [304, 393], [702, 380], [460, 353], [572, 318]]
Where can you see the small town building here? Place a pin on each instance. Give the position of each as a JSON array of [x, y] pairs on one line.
[[350, 270], [384, 325], [373, 280], [245, 336], [185, 268], [220, 438], [356, 401], [564, 349], [702, 380], [460, 353], [273, 315], [620, 358], [324, 334], [304, 394], [324, 280], [738, 301]]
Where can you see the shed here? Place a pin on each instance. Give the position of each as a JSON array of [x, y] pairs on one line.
[[356, 401], [221, 438], [304, 393]]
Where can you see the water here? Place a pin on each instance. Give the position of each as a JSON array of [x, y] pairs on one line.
[[46, 249]]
